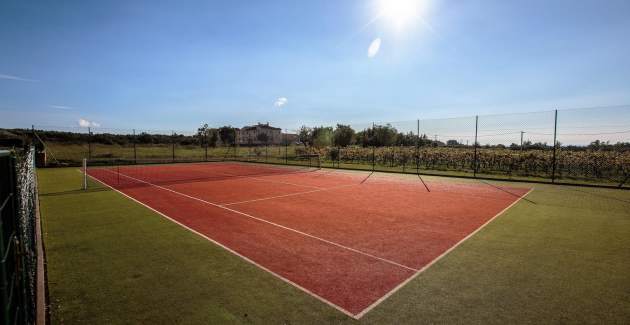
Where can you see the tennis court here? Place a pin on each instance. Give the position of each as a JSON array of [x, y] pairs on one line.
[[348, 238]]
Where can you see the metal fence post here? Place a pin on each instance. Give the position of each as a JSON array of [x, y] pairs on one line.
[[173, 139], [135, 155], [418, 148], [475, 161], [206, 141], [555, 144], [286, 148], [373, 147]]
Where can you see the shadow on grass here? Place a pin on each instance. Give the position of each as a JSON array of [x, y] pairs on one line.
[[601, 195], [506, 191], [76, 191]]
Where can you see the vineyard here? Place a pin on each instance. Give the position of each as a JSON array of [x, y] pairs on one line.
[[580, 165], [611, 167]]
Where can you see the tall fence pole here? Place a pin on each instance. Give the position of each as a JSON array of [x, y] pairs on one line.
[[373, 147], [555, 144], [135, 155], [205, 137], [418, 148], [173, 136], [475, 161], [286, 147]]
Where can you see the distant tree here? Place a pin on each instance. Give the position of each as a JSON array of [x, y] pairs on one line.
[[213, 137], [343, 135], [227, 135], [322, 136], [406, 139], [452, 143], [202, 134], [382, 135], [305, 135], [360, 138]]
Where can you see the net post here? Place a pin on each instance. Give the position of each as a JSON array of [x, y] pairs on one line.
[[475, 162], [555, 144], [85, 183]]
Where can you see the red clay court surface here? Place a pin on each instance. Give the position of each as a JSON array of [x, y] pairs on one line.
[[348, 238]]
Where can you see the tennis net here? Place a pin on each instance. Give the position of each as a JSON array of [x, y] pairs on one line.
[[127, 173]]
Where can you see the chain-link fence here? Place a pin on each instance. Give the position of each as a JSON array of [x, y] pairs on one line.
[[592, 145], [18, 240]]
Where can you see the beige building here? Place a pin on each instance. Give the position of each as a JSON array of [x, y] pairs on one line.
[[259, 134]]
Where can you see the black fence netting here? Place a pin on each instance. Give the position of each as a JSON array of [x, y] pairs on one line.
[[577, 146], [18, 240]]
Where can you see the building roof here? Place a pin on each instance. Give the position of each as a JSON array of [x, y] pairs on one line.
[[260, 125]]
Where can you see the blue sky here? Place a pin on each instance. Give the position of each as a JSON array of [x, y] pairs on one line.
[[177, 64]]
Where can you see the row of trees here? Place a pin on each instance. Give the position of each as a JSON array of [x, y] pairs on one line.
[[387, 136], [344, 135], [319, 137]]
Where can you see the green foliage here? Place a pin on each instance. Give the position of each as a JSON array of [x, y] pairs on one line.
[[322, 136], [305, 135], [227, 134], [213, 138], [343, 135]]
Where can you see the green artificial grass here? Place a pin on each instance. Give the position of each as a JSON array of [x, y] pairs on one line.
[[561, 257]]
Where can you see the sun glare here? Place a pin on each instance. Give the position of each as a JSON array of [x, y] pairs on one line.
[[400, 12]]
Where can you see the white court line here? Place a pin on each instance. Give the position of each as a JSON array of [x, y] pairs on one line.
[[259, 178], [274, 224], [435, 260], [288, 195], [212, 173], [367, 309], [231, 251]]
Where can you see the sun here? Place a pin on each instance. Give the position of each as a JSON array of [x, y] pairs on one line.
[[400, 12]]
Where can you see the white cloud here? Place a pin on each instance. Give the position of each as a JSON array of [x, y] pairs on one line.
[[86, 124], [63, 107], [375, 46], [281, 101], [10, 77]]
